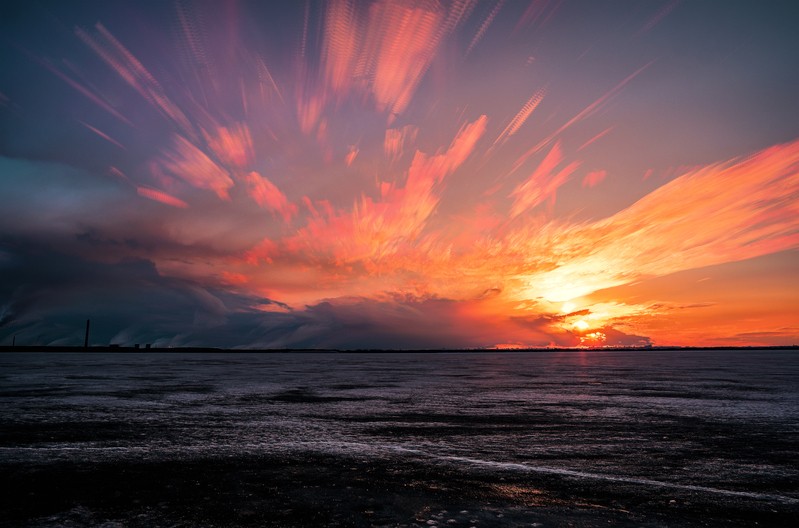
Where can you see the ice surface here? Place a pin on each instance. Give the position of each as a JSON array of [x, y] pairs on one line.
[[716, 422]]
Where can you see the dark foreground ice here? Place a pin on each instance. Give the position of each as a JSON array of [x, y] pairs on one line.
[[655, 438]]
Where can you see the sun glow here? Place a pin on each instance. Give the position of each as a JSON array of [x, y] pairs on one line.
[[582, 325], [593, 339], [568, 307]]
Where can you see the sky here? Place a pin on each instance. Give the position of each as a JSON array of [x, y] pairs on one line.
[[399, 174]]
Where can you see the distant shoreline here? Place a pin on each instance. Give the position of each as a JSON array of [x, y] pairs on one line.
[[211, 350]]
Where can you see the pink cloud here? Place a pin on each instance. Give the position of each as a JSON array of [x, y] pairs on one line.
[[521, 116], [189, 163], [161, 196], [129, 68], [267, 195], [595, 138], [594, 178], [398, 140], [341, 45], [543, 183], [232, 145], [384, 51], [351, 155]]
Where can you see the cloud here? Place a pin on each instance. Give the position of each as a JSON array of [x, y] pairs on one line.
[[187, 162], [385, 49], [133, 72], [746, 208], [376, 180], [398, 141], [780, 336], [102, 217], [161, 196], [46, 296], [267, 195], [39, 197], [407, 323], [376, 229], [594, 178], [543, 183], [232, 145], [521, 116]]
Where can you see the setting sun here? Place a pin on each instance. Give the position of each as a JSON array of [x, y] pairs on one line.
[[582, 325]]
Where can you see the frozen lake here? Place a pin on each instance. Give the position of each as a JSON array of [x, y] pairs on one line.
[[719, 423]]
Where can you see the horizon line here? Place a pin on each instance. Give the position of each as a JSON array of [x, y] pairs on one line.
[[200, 349]]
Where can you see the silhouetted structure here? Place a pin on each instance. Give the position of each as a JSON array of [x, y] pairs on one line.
[[86, 339]]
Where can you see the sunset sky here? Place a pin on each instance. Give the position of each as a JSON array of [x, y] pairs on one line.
[[399, 174]]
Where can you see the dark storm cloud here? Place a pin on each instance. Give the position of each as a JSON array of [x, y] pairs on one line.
[[351, 323], [395, 324], [45, 297]]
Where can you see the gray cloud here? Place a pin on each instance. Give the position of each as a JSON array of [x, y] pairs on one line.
[[45, 297]]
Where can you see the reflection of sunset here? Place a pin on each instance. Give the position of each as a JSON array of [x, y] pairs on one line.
[[362, 172]]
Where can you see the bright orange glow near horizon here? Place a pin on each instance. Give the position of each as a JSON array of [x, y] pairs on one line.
[[398, 174]]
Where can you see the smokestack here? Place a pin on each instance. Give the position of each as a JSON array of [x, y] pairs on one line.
[[86, 339]]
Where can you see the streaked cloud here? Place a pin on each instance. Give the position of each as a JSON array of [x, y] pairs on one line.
[[187, 162], [391, 173], [161, 196]]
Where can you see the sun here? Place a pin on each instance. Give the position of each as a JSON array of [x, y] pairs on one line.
[[582, 325]]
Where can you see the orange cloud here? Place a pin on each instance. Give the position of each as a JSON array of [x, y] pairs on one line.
[[513, 279], [745, 207], [376, 229]]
